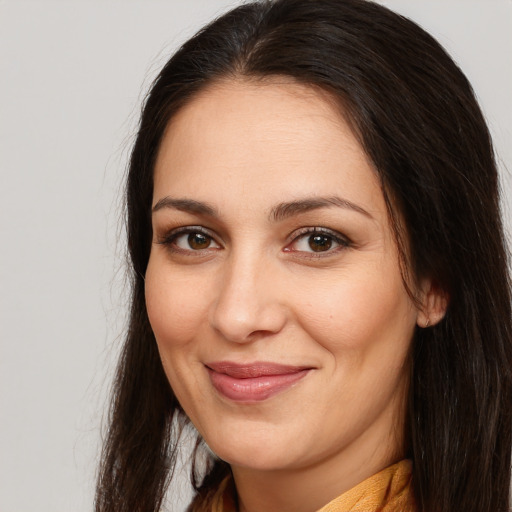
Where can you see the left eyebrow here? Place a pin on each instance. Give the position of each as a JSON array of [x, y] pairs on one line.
[[285, 210]]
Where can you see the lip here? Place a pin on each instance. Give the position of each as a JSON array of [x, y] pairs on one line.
[[253, 382]]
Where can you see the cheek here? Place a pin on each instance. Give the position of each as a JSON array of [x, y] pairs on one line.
[[176, 306], [176, 312], [356, 312]]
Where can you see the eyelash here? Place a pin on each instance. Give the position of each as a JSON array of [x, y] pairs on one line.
[[307, 232], [169, 240]]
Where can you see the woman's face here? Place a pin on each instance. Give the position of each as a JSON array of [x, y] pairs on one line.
[[273, 286]]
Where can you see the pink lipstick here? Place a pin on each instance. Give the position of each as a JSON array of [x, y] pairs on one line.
[[253, 382]]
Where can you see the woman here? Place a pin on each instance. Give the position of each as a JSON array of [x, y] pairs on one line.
[[320, 281]]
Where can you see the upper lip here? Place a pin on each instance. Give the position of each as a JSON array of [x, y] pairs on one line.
[[253, 369]]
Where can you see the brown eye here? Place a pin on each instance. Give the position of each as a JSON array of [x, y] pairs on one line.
[[318, 240], [319, 243], [198, 241], [190, 240]]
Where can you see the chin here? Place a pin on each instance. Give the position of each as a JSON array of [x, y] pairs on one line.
[[251, 454]]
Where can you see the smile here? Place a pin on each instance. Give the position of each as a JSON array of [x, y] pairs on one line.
[[253, 382]]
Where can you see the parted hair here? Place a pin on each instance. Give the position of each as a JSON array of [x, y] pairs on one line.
[[417, 119]]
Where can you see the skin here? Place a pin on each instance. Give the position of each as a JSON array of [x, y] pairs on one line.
[[258, 292]]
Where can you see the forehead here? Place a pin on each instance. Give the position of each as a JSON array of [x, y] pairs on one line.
[[249, 136], [252, 114]]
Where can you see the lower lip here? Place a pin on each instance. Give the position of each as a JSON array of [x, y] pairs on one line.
[[254, 389]]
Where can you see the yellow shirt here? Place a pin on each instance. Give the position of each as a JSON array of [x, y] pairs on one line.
[[387, 491]]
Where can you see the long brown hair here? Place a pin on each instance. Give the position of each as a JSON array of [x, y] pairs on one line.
[[417, 118]]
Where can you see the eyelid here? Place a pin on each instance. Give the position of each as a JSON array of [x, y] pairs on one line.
[[343, 241], [168, 238]]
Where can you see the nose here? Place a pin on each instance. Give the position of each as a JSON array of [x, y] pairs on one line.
[[248, 304]]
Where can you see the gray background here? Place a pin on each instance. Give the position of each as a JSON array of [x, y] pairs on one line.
[[72, 75]]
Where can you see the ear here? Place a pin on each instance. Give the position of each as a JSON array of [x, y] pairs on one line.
[[434, 302]]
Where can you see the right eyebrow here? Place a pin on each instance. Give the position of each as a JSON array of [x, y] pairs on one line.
[[186, 205]]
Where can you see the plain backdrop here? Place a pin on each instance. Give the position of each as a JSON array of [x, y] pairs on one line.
[[72, 76]]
